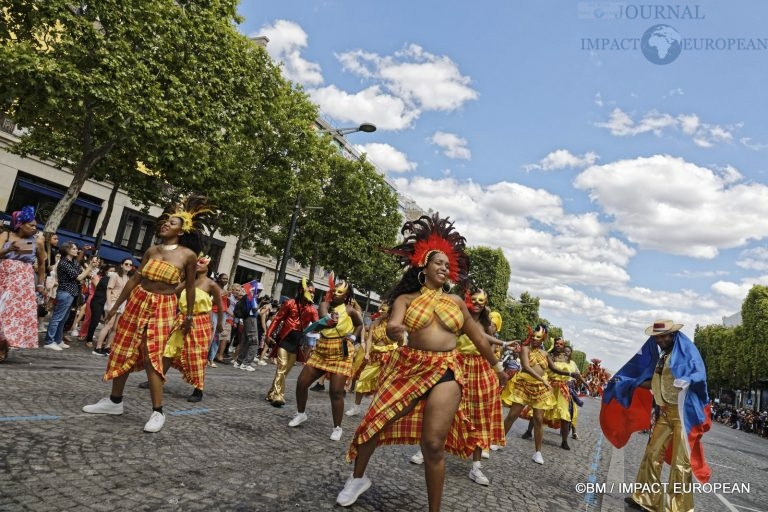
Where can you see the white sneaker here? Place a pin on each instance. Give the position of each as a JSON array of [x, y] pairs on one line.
[[262, 362], [352, 490], [353, 411], [247, 367], [155, 422], [53, 346], [236, 365], [74, 333], [336, 434], [104, 406], [297, 420], [537, 458], [477, 476], [485, 454], [63, 345], [417, 458], [495, 447]]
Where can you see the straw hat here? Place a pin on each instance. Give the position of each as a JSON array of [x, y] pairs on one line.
[[662, 327]]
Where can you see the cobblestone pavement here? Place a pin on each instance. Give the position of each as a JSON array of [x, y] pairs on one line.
[[233, 451]]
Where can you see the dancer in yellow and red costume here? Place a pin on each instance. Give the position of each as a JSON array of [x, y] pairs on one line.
[[419, 396], [150, 313]]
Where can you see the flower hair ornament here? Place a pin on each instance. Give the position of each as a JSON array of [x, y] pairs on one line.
[[430, 234], [203, 259], [192, 213], [26, 214]]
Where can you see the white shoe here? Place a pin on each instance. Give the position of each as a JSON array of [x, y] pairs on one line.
[[495, 447], [74, 333], [336, 434], [155, 422], [353, 411], [537, 458], [247, 367], [485, 454], [297, 420], [53, 346], [477, 476], [262, 362], [104, 406], [236, 365], [352, 490], [63, 345], [417, 458]]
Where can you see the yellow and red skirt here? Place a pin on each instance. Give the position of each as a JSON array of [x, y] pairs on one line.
[[408, 376], [527, 390], [146, 313], [482, 401], [328, 355], [368, 380], [190, 355]]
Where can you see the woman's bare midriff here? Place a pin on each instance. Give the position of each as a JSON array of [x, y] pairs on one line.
[[157, 287], [433, 337]]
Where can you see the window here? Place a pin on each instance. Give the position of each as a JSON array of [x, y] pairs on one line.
[[245, 275], [136, 231], [44, 195]]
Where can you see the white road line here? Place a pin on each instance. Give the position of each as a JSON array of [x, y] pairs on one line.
[[720, 465], [730, 507]]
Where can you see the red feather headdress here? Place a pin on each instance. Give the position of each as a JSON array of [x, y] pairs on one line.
[[430, 234]]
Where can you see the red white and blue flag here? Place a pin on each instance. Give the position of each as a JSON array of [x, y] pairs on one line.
[[626, 407], [251, 292]]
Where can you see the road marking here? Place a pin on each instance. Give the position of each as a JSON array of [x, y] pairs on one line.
[[730, 507], [188, 412], [590, 498], [39, 417], [720, 465]]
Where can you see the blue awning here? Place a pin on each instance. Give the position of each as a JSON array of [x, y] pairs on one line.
[[46, 191], [115, 254]]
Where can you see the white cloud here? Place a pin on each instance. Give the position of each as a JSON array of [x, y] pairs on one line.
[[599, 99], [563, 159], [286, 41], [705, 135], [387, 158], [754, 259], [666, 204], [422, 80], [453, 146], [387, 112], [755, 146]]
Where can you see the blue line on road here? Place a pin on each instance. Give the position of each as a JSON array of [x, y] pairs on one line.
[[590, 498], [40, 417], [188, 412]]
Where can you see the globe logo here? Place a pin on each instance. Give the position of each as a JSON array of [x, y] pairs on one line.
[[661, 44], [599, 13]]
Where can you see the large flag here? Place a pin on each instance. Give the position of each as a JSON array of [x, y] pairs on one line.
[[251, 292], [626, 407]]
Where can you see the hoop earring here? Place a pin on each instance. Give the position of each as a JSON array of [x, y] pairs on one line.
[[419, 276], [446, 287]]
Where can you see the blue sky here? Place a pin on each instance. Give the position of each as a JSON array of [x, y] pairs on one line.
[[621, 191]]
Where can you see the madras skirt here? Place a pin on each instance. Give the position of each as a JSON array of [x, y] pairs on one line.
[[145, 312], [482, 400], [329, 356], [408, 376], [368, 381], [190, 355], [562, 411], [527, 390]]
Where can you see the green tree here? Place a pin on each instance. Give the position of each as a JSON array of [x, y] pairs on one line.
[[150, 77], [490, 270]]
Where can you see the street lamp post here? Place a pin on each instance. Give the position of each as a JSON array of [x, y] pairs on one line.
[[278, 289]]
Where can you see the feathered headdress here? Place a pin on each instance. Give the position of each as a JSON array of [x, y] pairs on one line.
[[427, 235], [203, 259], [191, 212], [26, 214], [539, 334]]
